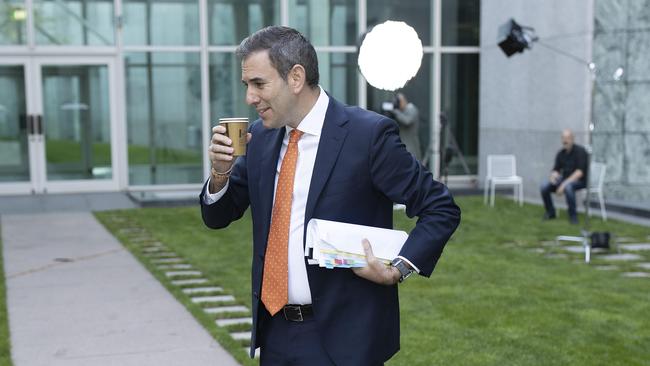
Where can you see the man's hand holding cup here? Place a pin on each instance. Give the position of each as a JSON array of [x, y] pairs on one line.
[[229, 139]]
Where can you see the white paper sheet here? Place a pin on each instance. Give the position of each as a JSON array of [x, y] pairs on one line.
[[334, 244]]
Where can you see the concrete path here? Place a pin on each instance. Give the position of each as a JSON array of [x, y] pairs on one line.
[[77, 297]]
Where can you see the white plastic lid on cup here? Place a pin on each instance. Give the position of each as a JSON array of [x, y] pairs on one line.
[[233, 119]]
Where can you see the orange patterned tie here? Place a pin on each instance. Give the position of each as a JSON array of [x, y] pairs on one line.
[[275, 287]]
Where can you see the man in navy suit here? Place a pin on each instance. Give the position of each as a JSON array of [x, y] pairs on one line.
[[333, 162]]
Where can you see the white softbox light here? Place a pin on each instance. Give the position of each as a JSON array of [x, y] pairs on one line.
[[390, 55]]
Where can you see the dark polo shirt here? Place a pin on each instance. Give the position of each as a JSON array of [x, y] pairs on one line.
[[568, 162]]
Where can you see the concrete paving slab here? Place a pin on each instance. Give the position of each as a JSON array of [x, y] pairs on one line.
[[132, 231], [636, 274], [140, 239], [239, 336], [115, 218], [167, 260], [635, 247], [152, 249], [97, 307], [607, 268], [625, 239], [191, 281], [151, 244], [175, 266], [226, 309], [581, 249], [233, 321], [621, 257], [219, 298], [202, 290], [644, 265], [574, 248], [183, 273], [162, 255]]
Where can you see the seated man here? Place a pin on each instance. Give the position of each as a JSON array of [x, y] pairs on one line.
[[568, 175]]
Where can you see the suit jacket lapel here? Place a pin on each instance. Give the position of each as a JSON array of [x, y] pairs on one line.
[[329, 146], [268, 167]]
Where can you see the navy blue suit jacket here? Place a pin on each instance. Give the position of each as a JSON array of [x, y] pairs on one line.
[[361, 168]]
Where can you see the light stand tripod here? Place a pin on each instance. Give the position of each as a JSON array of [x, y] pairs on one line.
[[449, 146], [588, 236]]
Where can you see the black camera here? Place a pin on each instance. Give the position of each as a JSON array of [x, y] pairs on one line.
[[388, 107]]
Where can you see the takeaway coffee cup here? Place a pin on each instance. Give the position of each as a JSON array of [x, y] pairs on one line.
[[236, 129]]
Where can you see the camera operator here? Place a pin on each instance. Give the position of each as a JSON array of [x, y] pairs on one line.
[[407, 116]]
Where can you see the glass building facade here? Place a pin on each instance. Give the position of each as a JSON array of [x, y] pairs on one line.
[[112, 95]]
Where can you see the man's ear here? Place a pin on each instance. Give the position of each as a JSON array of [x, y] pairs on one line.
[[297, 78]]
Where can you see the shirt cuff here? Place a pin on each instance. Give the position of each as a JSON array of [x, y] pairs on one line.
[[410, 264], [210, 198]]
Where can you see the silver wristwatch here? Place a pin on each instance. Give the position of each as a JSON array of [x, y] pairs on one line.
[[402, 267]]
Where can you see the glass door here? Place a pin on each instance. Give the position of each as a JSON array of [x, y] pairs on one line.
[[16, 128], [57, 125], [75, 121]]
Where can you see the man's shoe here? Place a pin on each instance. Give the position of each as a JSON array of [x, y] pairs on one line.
[[573, 220], [548, 216]]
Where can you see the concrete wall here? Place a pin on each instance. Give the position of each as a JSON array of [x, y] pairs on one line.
[[526, 100]]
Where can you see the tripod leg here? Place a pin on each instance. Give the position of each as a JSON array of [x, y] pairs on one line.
[[454, 146]]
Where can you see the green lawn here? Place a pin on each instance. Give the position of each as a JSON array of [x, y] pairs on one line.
[[492, 300], [66, 151], [5, 355]]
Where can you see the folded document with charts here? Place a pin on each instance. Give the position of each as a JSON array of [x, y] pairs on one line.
[[334, 244]]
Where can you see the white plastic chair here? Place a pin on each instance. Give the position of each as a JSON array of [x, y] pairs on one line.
[[597, 173], [502, 170]]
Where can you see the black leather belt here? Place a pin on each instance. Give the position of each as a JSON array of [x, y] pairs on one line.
[[297, 313]]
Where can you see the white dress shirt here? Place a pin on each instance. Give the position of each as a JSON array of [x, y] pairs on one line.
[[311, 125]]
